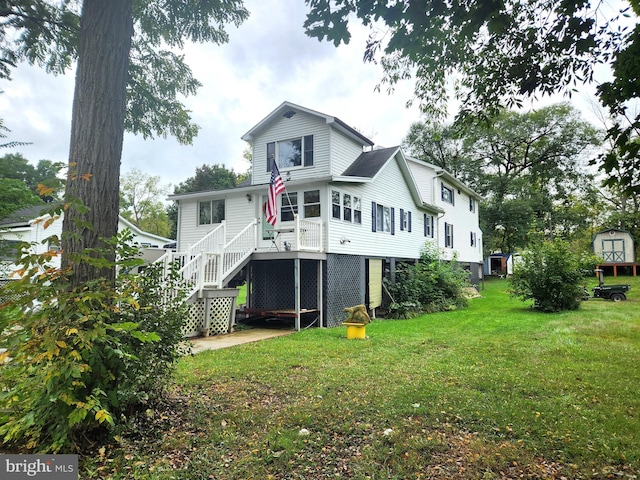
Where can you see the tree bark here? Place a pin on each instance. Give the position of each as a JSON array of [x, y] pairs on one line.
[[97, 132]]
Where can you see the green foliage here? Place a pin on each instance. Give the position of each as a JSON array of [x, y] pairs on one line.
[[431, 285], [531, 169], [79, 360], [207, 177], [41, 179], [141, 202], [551, 274], [14, 195], [490, 54], [47, 34]]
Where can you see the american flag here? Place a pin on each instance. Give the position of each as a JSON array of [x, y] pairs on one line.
[[276, 187]]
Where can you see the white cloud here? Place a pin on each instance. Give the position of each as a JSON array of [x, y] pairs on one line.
[[268, 60]]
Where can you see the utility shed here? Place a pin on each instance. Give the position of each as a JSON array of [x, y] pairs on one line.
[[616, 248]]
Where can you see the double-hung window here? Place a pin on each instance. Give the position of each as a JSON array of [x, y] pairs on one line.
[[428, 225], [472, 204], [312, 204], [289, 206], [405, 220], [448, 235], [210, 212], [292, 153], [346, 206], [446, 194], [382, 218], [473, 239]]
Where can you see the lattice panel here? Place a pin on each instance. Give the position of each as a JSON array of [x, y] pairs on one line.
[[273, 285], [219, 315], [194, 323], [308, 284], [344, 286]]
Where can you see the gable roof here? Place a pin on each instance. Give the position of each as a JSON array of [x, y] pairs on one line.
[[611, 231], [23, 216], [289, 109], [441, 172], [368, 164]]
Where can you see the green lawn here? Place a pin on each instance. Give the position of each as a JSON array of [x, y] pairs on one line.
[[492, 391]]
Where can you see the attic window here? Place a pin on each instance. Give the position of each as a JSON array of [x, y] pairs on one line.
[[293, 153], [289, 114]]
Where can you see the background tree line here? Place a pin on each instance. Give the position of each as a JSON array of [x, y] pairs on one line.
[[533, 169]]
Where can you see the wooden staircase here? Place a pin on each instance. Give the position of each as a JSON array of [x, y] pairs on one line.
[[211, 263]]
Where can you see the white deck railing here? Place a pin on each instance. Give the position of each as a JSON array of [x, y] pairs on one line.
[[308, 234], [211, 242], [237, 251], [209, 262]]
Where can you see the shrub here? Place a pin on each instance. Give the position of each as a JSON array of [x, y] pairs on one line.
[[551, 274], [431, 285], [78, 360]]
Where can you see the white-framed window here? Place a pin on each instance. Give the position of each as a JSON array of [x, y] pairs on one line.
[[311, 204], [473, 239], [448, 235], [292, 153], [428, 225], [405, 220], [346, 206], [446, 194], [472, 204], [288, 206], [211, 212]]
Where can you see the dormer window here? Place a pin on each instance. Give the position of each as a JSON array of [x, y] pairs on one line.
[[293, 153]]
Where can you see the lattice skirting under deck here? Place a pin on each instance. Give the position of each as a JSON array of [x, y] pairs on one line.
[[211, 316]]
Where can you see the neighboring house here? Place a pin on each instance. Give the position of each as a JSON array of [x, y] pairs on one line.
[[350, 213], [33, 226], [616, 248]]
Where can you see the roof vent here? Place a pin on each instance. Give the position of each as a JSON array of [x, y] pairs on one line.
[[289, 114]]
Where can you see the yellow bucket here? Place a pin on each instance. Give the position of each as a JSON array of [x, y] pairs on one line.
[[355, 330]]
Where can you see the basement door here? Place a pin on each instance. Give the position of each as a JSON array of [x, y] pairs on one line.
[[374, 283]]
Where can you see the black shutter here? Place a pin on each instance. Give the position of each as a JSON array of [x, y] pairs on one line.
[[271, 155], [373, 216], [308, 151], [393, 221], [401, 219], [409, 220], [424, 219]]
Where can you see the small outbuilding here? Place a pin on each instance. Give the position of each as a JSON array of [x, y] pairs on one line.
[[616, 248]]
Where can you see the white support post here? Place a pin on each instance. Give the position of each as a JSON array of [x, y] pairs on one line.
[[320, 297], [202, 260], [296, 275]]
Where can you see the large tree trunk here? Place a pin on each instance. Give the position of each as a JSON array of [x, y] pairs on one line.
[[97, 131]]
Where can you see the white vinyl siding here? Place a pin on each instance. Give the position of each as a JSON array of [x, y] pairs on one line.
[[343, 152], [296, 127]]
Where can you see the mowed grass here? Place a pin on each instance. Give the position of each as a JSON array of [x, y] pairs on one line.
[[495, 390]]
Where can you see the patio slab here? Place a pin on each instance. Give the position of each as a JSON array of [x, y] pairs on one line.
[[240, 337]]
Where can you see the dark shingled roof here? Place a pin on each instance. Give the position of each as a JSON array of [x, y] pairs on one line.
[[368, 164], [22, 216]]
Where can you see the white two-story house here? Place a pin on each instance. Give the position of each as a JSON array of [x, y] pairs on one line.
[[349, 213]]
